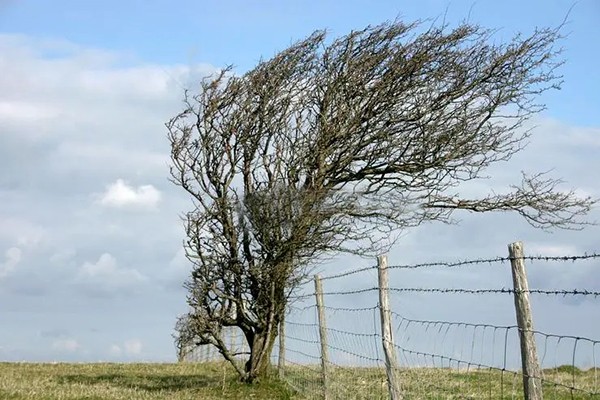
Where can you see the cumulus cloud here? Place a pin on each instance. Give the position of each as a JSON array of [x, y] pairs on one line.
[[120, 194], [106, 268], [67, 345], [74, 116], [12, 257], [104, 276]]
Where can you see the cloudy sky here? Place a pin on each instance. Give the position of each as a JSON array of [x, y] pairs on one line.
[[91, 265]]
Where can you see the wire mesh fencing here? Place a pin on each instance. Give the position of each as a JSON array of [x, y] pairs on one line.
[[232, 336], [354, 360], [448, 341]]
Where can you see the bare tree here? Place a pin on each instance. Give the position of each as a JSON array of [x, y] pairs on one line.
[[328, 145]]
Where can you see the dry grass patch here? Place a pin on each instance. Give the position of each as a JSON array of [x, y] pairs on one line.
[[20, 381], [130, 382], [442, 383]]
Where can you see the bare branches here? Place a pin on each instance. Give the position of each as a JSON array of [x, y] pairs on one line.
[[538, 200], [326, 145]]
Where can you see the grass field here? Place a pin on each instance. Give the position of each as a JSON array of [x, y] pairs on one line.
[[130, 382], [218, 381], [437, 383]]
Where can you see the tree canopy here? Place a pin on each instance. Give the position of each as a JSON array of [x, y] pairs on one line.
[[329, 145]]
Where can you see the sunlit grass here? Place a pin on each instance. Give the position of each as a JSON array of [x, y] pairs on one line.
[[218, 381], [442, 383], [130, 382]]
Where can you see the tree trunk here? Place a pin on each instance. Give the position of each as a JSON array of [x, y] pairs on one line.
[[261, 346]]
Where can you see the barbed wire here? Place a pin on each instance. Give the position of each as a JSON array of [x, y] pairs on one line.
[[452, 264], [351, 309], [347, 273], [447, 352], [308, 307], [556, 292], [307, 295], [583, 256], [348, 292], [459, 263]]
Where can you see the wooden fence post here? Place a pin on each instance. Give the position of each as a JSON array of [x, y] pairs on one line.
[[532, 383], [391, 363], [281, 357], [322, 336]]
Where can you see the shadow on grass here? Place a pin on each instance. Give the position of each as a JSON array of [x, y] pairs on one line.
[[149, 383]]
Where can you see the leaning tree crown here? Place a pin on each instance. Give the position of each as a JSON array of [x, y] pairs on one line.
[[329, 144]]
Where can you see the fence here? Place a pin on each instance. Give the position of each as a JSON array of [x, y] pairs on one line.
[[359, 341], [232, 336], [354, 335]]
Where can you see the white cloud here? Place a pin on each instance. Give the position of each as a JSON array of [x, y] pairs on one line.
[[106, 268], [12, 257], [120, 194], [71, 155], [22, 112], [78, 118], [105, 277], [133, 347], [67, 345]]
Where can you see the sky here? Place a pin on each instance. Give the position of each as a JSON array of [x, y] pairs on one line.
[[91, 264]]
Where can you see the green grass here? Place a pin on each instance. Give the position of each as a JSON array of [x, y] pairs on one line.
[[438, 383], [130, 382], [218, 381]]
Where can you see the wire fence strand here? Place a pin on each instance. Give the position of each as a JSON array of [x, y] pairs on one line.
[[473, 356]]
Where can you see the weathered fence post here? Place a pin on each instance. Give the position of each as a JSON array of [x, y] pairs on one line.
[[391, 363], [281, 357], [322, 335], [532, 382]]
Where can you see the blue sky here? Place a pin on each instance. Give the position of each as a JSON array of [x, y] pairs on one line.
[[240, 32], [90, 258]]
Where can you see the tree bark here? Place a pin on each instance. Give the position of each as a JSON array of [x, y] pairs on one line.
[[261, 346]]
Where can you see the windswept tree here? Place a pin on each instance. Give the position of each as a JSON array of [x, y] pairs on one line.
[[330, 144]]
